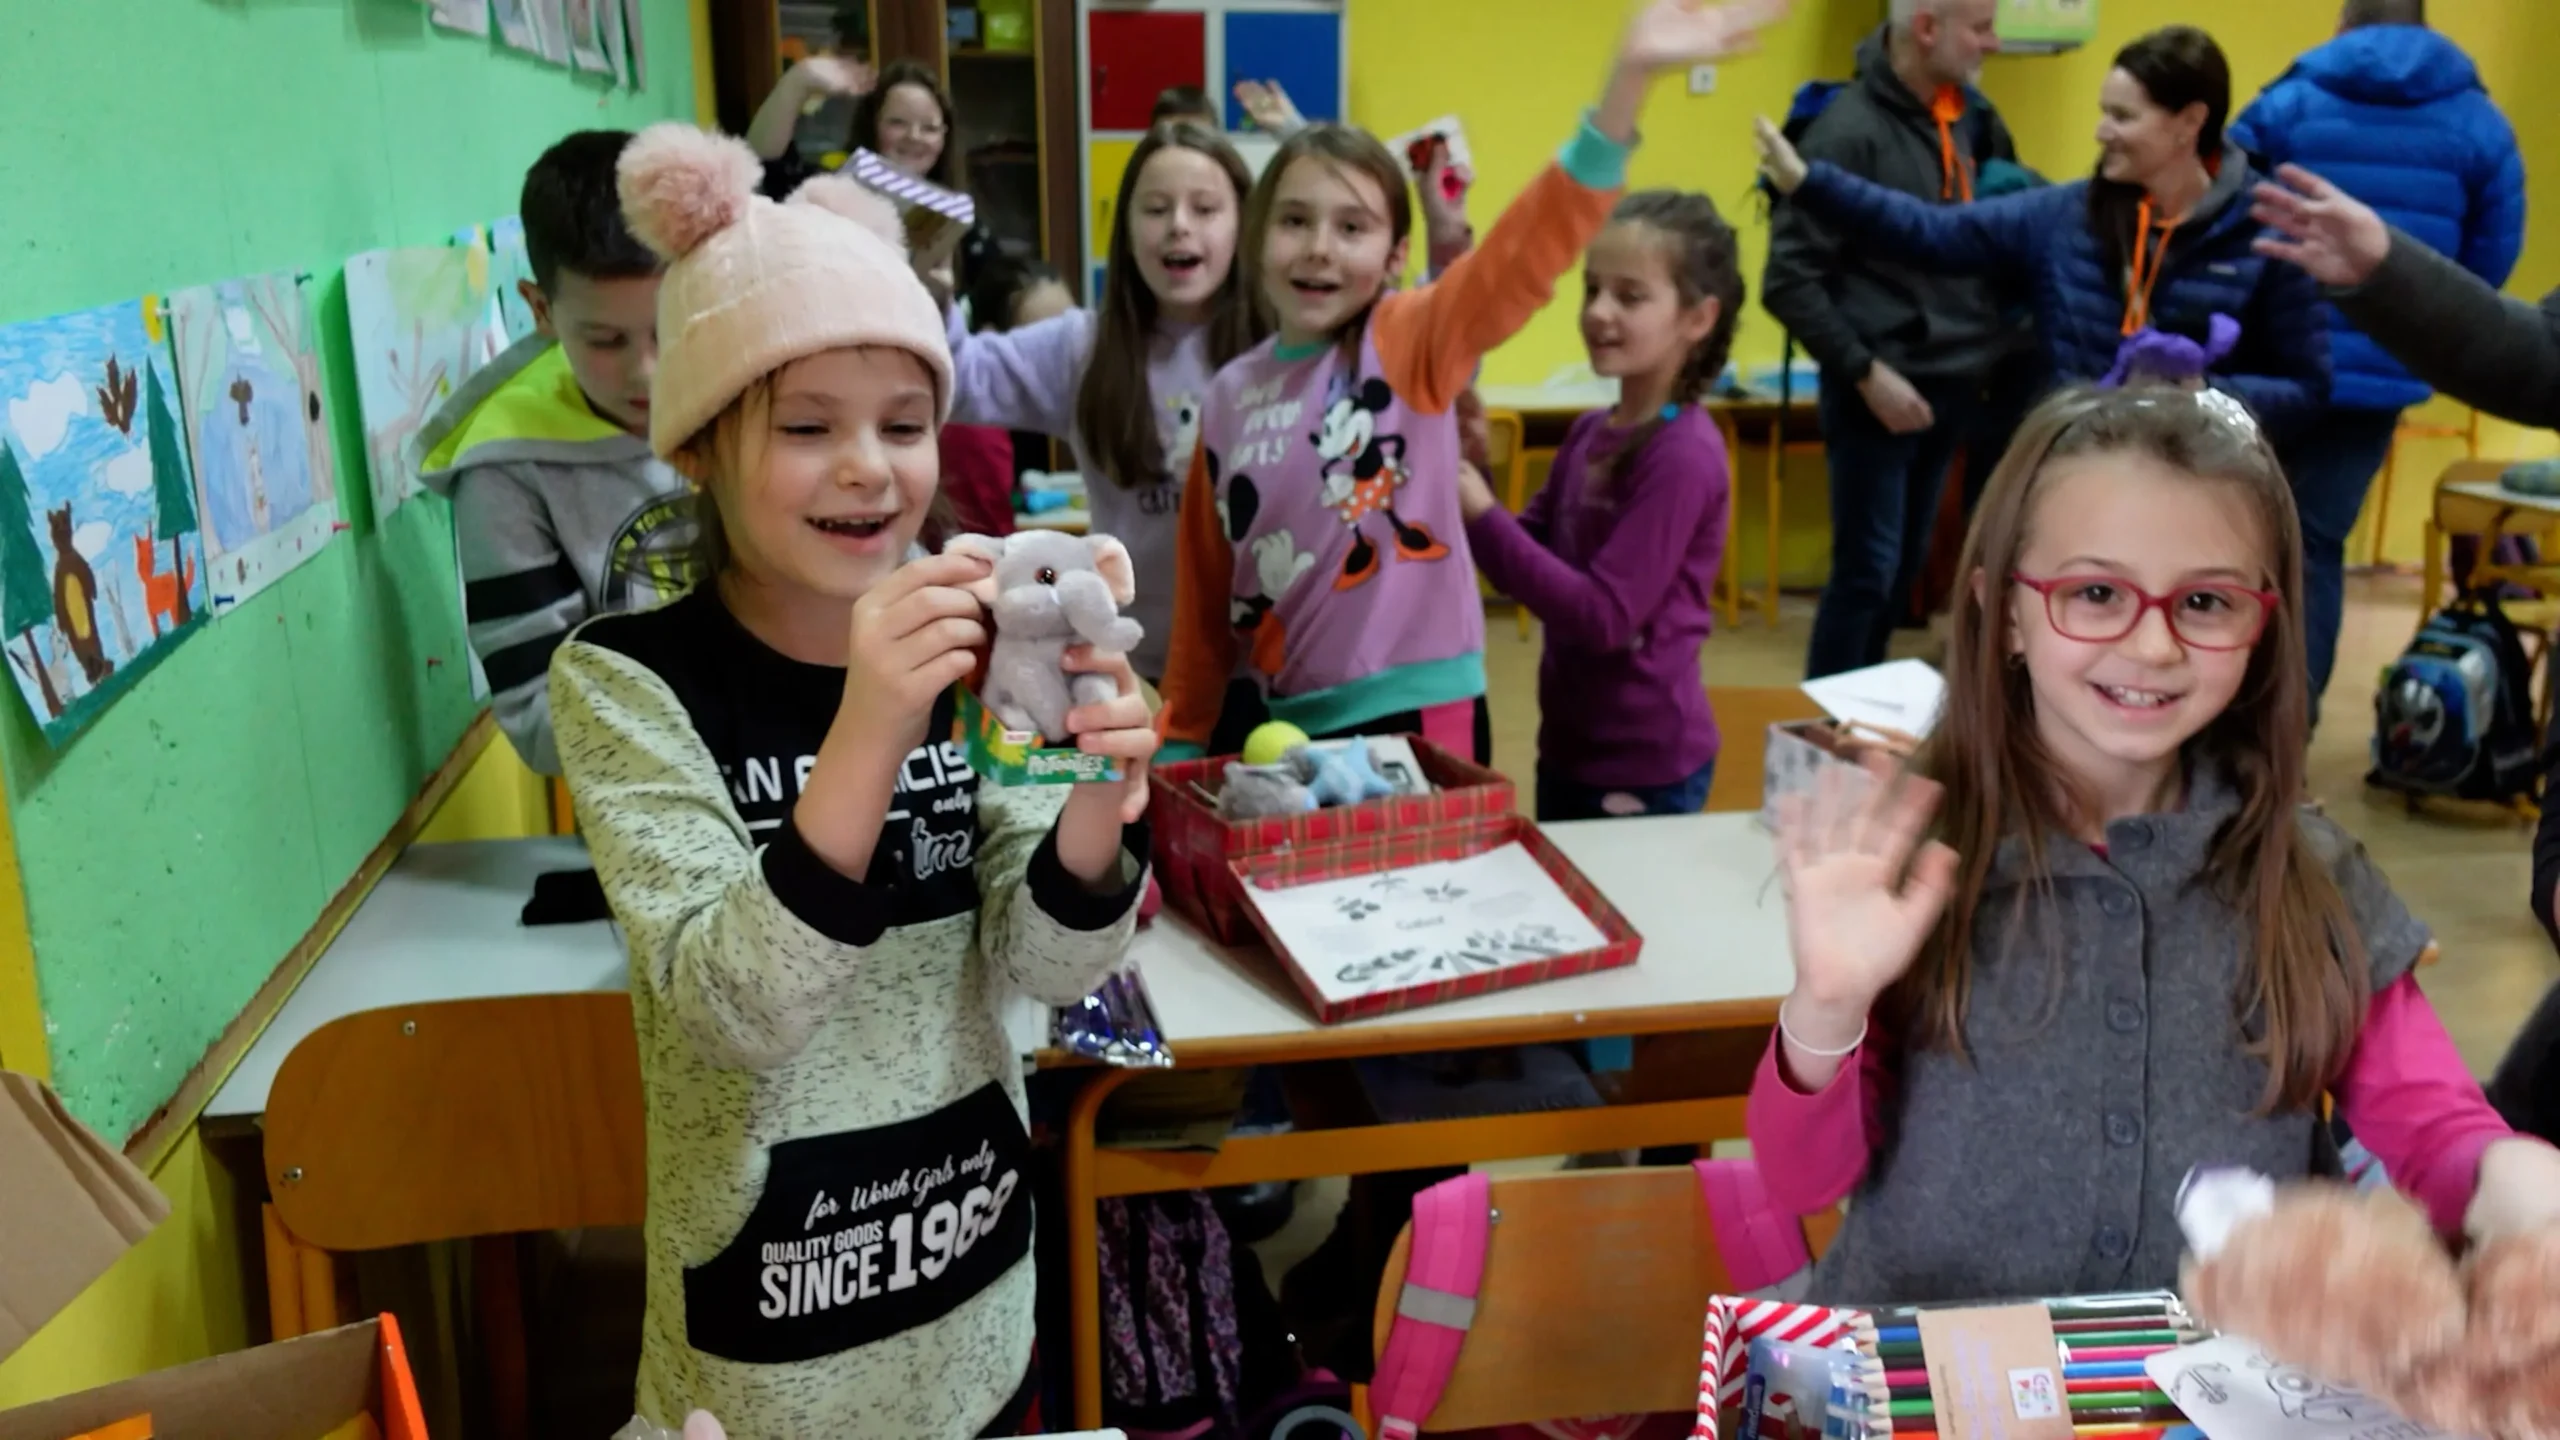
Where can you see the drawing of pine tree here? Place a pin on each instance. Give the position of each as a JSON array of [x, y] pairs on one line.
[[26, 595], [172, 493]]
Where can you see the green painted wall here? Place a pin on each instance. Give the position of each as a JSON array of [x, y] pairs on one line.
[[176, 850]]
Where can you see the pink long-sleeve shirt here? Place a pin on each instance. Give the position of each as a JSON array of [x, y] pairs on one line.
[[2405, 1092]]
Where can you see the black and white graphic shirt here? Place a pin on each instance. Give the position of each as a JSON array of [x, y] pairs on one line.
[[839, 1219]]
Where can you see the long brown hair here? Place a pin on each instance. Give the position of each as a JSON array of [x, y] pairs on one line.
[[2177, 66], [1345, 148], [1115, 411], [1704, 259], [949, 170], [2306, 989]]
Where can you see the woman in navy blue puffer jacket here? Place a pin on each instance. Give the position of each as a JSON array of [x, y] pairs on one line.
[[2159, 237]]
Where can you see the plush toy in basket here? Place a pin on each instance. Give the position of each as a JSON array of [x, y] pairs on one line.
[[2354, 1286], [1305, 776]]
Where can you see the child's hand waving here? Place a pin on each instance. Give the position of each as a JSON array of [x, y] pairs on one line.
[[1863, 893], [1670, 33], [1778, 158]]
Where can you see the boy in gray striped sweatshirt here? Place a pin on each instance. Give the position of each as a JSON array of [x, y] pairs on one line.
[[560, 511]]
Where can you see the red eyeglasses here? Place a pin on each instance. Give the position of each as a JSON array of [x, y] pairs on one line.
[[2099, 609]]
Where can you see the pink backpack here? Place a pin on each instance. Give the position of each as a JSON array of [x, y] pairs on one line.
[[1453, 1222]]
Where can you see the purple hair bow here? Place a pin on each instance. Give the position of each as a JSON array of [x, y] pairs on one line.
[[2150, 354]]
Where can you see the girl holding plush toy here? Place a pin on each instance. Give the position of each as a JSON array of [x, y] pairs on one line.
[[2094, 941], [1321, 542], [822, 905]]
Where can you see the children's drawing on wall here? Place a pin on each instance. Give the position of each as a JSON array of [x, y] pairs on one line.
[[489, 336], [249, 385], [585, 20], [99, 561], [509, 270], [551, 29], [609, 28], [471, 17], [516, 25], [636, 40], [415, 314]]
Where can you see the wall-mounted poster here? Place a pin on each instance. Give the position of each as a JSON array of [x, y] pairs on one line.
[[2047, 24], [249, 383], [100, 571], [417, 317]]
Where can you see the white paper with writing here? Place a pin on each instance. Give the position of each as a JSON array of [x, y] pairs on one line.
[[1902, 695], [1373, 934], [2231, 1390]]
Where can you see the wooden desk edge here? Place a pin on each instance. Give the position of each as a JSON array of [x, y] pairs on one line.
[[159, 1135], [1421, 1035]]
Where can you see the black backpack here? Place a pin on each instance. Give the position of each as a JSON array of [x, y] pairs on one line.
[[2454, 714]]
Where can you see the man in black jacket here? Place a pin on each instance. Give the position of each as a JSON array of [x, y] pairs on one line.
[[1903, 353], [2458, 334]]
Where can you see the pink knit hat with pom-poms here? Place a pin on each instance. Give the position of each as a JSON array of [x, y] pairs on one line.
[[752, 286]]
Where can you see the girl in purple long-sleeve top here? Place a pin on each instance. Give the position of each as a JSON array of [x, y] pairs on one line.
[[1618, 553]]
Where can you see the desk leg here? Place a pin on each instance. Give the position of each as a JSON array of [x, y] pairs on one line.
[[1084, 1245], [321, 1309], [284, 1279], [1777, 473], [498, 1291]]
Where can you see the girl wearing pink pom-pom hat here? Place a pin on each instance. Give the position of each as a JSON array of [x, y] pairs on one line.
[[823, 909]]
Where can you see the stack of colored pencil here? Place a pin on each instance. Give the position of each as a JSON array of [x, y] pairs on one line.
[[2101, 1340]]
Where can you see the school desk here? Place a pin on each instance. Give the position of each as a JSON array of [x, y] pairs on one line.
[[437, 940], [1702, 891]]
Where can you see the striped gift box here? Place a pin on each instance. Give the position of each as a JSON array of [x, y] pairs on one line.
[[910, 192], [1734, 1321], [1398, 849]]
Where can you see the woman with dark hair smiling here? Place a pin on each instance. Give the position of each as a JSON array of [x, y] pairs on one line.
[[2154, 245]]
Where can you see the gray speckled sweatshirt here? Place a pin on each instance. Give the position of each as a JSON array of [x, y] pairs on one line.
[[839, 1227]]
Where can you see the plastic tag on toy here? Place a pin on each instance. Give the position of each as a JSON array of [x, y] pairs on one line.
[[2214, 1201], [1018, 757]]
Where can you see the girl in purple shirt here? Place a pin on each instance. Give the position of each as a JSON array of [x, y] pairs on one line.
[[1618, 553]]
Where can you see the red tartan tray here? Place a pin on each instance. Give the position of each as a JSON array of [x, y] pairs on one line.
[[1194, 845], [1399, 849]]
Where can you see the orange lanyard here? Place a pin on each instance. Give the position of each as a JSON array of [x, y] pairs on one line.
[[2139, 281], [1947, 107]]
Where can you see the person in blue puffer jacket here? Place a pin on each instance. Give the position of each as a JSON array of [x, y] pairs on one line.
[[2395, 115], [2159, 238]]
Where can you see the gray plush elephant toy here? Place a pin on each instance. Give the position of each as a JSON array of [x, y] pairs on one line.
[[1049, 590]]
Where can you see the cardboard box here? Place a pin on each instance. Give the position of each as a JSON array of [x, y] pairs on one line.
[[335, 1385], [1889, 708], [1015, 757], [69, 1207], [936, 218]]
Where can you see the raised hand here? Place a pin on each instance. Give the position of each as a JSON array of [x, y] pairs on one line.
[[1863, 888], [1119, 727], [1669, 33], [830, 76], [2323, 229], [1778, 158], [1268, 106]]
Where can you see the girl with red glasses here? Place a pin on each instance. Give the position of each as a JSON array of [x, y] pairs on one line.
[[2094, 940]]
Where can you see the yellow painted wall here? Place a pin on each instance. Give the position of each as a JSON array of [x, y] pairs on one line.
[[1416, 59]]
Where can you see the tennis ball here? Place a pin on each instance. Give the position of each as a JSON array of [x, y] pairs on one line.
[[1270, 741]]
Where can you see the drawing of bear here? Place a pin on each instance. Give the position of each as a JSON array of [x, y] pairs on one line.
[[75, 599]]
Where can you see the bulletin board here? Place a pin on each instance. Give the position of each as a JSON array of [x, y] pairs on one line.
[[1132, 50], [2047, 25], [176, 850]]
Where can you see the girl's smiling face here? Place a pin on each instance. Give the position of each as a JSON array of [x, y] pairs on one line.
[[1182, 230], [1329, 249], [1633, 320], [2115, 713], [847, 469], [913, 128]]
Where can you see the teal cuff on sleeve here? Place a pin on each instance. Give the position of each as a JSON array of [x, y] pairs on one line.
[[1175, 751], [1595, 161]]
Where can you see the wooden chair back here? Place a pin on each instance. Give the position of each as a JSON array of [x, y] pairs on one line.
[[1744, 715], [1593, 1301], [459, 1119]]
